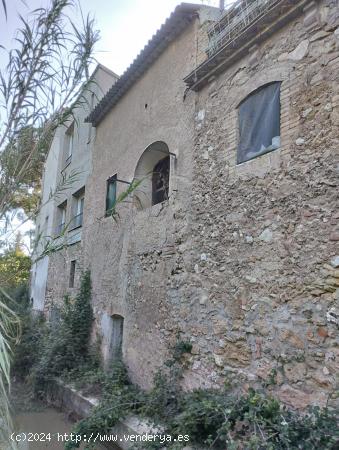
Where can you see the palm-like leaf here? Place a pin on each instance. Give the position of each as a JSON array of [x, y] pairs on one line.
[[4, 7], [9, 332], [39, 90]]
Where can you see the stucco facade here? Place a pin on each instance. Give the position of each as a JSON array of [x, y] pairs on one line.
[[65, 174], [241, 259]]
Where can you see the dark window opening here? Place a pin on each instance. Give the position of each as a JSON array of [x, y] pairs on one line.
[[116, 337], [72, 274], [61, 219], [111, 194], [259, 123], [160, 181], [78, 209]]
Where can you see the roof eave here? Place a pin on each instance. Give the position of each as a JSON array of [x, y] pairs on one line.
[[174, 25]]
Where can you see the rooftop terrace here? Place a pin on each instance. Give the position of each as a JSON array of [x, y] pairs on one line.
[[243, 25]]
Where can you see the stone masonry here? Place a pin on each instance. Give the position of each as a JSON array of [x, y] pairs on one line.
[[242, 260], [261, 287]]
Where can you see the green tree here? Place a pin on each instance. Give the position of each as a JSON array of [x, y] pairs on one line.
[[14, 276], [14, 269]]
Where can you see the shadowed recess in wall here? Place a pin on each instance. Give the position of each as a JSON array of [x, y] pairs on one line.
[[154, 169]]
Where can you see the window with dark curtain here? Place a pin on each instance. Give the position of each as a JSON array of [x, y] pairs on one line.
[[160, 181], [259, 123], [111, 194]]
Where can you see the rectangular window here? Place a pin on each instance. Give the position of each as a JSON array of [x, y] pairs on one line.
[[116, 337], [72, 274], [259, 123], [78, 208], [61, 218], [69, 143], [46, 224], [160, 181], [111, 194]]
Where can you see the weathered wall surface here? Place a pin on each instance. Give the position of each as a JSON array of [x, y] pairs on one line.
[[262, 280], [242, 258], [45, 222], [50, 280], [59, 275], [131, 261]]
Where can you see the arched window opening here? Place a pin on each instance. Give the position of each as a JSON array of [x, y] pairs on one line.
[[160, 181], [153, 172]]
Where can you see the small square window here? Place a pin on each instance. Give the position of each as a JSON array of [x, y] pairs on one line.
[[111, 194], [259, 123], [72, 274]]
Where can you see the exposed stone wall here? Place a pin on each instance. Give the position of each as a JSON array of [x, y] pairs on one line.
[[242, 259], [262, 292], [131, 260]]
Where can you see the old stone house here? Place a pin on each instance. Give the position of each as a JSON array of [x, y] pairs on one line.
[[231, 123]]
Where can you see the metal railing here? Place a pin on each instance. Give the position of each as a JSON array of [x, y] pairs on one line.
[[76, 222], [60, 228], [235, 20]]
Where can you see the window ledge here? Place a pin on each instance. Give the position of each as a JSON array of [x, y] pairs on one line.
[[266, 152], [108, 215], [258, 167], [75, 228], [157, 208]]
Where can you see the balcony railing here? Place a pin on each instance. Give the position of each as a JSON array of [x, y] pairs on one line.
[[60, 228], [76, 222], [235, 20], [241, 27]]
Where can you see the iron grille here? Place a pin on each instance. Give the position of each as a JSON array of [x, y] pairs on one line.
[[235, 20]]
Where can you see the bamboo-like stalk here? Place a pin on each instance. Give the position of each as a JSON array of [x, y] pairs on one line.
[[39, 90], [9, 333]]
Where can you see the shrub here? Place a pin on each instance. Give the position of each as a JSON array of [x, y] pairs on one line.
[[215, 418], [119, 398], [66, 345], [27, 351]]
